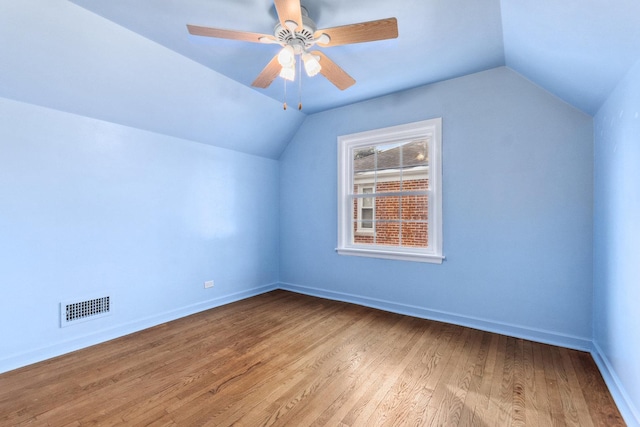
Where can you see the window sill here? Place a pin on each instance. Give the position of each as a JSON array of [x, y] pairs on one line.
[[385, 254]]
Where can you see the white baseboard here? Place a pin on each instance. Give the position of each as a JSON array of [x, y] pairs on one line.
[[60, 348], [537, 335], [629, 411]]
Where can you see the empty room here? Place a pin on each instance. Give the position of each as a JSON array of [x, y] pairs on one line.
[[329, 213]]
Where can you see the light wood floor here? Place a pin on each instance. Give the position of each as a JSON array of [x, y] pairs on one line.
[[288, 359]]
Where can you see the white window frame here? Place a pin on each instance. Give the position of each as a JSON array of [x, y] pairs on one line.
[[396, 134]]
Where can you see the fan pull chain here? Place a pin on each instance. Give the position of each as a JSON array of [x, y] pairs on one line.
[[285, 94], [300, 84]]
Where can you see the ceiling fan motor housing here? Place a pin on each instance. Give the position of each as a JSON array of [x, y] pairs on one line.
[[299, 40]]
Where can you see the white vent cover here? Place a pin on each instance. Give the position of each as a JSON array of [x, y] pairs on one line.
[[80, 311]]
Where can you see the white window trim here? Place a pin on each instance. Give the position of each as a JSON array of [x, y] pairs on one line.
[[346, 145]]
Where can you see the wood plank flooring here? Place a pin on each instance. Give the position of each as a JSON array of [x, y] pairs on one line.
[[288, 359]]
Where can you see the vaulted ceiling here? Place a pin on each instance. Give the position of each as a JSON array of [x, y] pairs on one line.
[[134, 63], [577, 49]]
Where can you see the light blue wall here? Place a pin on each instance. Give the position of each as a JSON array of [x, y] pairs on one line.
[[518, 193], [58, 55], [89, 208], [617, 243]]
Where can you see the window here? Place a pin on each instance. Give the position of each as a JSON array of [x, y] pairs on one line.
[[365, 211], [389, 192]]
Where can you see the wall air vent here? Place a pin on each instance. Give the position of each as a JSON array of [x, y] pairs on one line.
[[80, 311]]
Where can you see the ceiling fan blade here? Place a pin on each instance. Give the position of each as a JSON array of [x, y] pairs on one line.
[[289, 10], [381, 29], [230, 34], [268, 74], [333, 72]]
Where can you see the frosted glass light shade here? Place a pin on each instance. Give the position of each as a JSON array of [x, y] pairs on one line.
[[287, 57], [311, 64], [288, 73]]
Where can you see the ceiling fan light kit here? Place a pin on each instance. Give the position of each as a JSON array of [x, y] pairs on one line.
[[288, 73], [297, 33], [287, 56], [311, 64]]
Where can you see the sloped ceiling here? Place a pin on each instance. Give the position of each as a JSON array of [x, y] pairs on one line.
[[577, 49], [58, 55], [134, 63], [437, 40]]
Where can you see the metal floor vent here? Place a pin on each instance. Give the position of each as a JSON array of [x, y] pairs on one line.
[[76, 312]]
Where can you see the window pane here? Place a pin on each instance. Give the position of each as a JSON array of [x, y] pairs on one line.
[[354, 208], [395, 221], [367, 202], [367, 218], [362, 221], [388, 157], [354, 216], [389, 186], [387, 207], [388, 220], [415, 153], [415, 165], [364, 159], [402, 166], [361, 238], [388, 233], [388, 172], [421, 184], [415, 208], [414, 234]]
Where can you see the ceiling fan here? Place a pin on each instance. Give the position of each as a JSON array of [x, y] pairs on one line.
[[297, 34]]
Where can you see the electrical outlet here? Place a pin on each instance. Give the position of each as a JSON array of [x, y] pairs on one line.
[[208, 284]]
